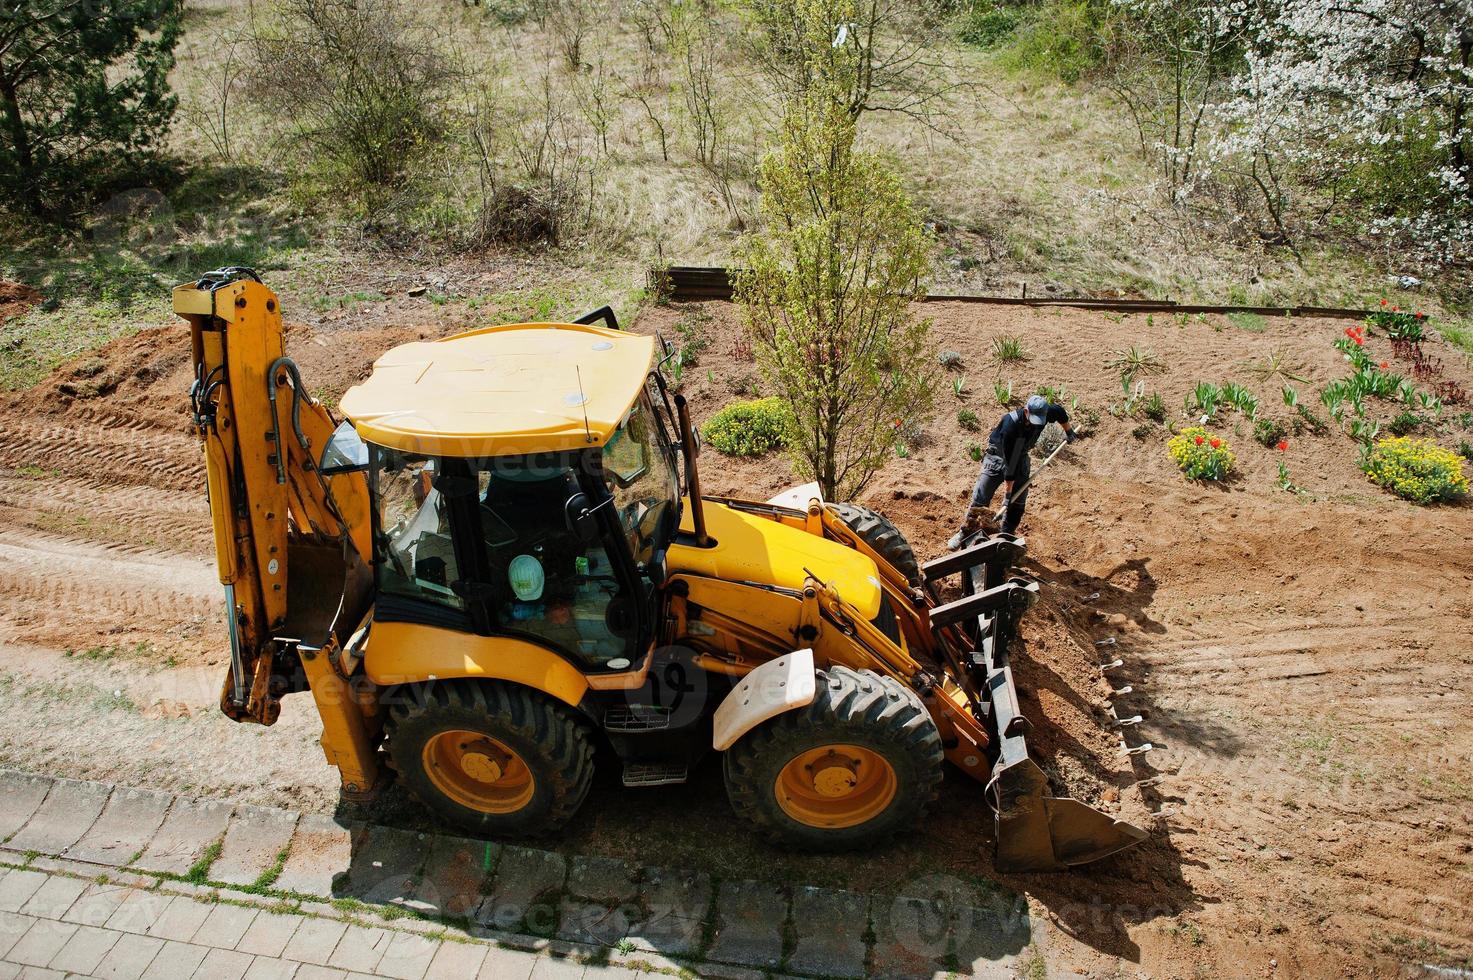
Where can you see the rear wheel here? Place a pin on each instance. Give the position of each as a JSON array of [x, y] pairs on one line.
[[859, 763], [491, 758], [881, 534]]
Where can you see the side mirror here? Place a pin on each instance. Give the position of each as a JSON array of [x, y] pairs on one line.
[[580, 518]]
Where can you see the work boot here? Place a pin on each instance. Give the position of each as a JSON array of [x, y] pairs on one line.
[[975, 518]]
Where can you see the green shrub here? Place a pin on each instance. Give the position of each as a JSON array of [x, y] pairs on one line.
[[1251, 322], [975, 451], [1203, 399], [1067, 38], [968, 420], [1200, 454], [1269, 432], [749, 428], [1415, 469], [988, 27]]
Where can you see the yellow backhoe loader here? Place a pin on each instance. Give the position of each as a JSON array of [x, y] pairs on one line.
[[502, 558]]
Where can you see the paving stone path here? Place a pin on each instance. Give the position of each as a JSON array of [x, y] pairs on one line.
[[118, 883]]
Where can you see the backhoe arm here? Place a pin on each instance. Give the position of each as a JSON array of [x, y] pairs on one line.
[[291, 542]]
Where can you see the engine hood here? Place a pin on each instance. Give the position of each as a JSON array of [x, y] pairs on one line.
[[749, 548]]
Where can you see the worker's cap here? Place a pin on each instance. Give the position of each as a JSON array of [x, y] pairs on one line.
[[1037, 410]]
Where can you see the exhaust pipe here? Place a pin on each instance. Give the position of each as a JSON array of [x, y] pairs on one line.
[[692, 475]]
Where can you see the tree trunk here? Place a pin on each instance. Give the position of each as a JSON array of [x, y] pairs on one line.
[[23, 156]]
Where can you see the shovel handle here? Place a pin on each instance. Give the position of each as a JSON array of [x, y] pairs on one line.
[[1018, 491]]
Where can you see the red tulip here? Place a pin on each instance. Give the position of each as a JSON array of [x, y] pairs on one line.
[[1358, 341], [1199, 440], [1421, 315], [1216, 443], [1383, 302], [1396, 309], [1384, 365], [1283, 445]]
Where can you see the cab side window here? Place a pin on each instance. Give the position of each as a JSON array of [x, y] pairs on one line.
[[415, 554]]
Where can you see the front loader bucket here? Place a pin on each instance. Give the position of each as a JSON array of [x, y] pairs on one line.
[[1035, 831]]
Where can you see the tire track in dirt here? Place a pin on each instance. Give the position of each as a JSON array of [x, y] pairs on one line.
[[117, 449], [67, 593], [129, 518]]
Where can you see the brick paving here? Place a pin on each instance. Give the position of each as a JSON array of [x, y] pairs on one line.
[[110, 882]]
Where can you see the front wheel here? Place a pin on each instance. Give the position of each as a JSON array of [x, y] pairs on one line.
[[494, 759], [858, 764]]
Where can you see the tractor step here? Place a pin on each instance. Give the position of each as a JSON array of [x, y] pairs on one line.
[[629, 719], [654, 775]]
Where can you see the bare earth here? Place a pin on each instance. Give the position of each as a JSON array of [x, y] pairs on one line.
[[1301, 661]]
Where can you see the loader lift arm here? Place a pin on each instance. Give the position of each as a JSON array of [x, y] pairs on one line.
[[279, 517]]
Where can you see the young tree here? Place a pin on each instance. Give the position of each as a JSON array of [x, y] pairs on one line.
[[895, 47], [83, 89], [828, 282]]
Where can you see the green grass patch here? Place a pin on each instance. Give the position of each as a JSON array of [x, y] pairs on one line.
[[1251, 322], [199, 871]]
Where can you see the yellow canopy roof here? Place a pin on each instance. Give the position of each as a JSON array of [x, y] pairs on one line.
[[519, 388]]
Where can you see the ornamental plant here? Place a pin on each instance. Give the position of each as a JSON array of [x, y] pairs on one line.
[[1398, 324], [1201, 455], [1415, 469], [751, 428]]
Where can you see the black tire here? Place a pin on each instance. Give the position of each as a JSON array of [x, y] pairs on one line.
[[881, 534], [552, 744], [855, 708]]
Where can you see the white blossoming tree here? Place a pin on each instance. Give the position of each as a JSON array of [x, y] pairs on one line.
[[1365, 103]]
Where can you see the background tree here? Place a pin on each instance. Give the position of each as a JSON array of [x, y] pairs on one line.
[[897, 61], [830, 279], [1365, 104], [84, 93]]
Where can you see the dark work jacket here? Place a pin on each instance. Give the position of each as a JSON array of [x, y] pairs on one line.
[[1013, 437]]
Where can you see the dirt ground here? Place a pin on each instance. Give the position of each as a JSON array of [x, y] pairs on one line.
[[1301, 661]]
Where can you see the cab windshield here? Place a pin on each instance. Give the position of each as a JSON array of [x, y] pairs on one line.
[[641, 476]]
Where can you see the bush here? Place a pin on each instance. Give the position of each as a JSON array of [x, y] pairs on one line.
[[968, 420], [988, 27], [1200, 454], [1416, 469], [1269, 432], [1008, 349], [360, 86], [749, 428]]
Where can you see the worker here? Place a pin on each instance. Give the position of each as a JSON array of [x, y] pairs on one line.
[[1006, 464]]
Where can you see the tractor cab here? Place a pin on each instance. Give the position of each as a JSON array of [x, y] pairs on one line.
[[524, 483]]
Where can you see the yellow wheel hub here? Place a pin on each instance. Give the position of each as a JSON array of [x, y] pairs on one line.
[[478, 772], [836, 786]]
